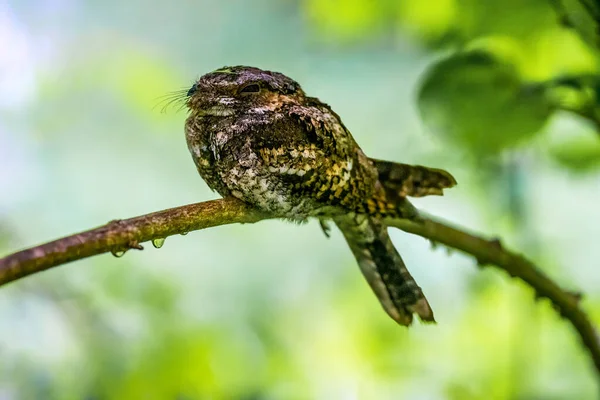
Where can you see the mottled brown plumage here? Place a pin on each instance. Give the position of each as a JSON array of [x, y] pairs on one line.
[[255, 135]]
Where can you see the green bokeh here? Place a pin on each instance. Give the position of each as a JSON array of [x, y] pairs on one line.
[[275, 310]]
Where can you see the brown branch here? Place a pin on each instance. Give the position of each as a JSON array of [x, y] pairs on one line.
[[121, 235]]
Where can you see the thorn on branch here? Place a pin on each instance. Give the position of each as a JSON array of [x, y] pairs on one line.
[[537, 296], [435, 245], [134, 244], [116, 222], [120, 251], [481, 263], [496, 243], [577, 296]]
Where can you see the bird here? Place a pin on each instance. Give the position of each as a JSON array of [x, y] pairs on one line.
[[255, 135]]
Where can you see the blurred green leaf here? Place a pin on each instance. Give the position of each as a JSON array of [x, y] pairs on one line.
[[577, 94], [348, 20], [583, 16], [579, 152], [478, 103]]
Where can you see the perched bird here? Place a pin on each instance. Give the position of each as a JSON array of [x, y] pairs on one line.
[[255, 135]]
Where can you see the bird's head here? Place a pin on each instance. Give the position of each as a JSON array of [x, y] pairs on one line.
[[240, 89]]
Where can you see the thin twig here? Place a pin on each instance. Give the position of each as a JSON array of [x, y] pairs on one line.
[[122, 235]]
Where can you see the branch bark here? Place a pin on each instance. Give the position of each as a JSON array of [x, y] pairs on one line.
[[121, 235]]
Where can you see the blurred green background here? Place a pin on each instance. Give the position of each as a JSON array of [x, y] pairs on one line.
[[500, 93]]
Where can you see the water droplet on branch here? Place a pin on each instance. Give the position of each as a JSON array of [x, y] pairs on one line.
[[158, 242], [118, 253]]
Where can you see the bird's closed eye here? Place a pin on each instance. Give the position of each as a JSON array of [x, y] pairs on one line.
[[251, 88]]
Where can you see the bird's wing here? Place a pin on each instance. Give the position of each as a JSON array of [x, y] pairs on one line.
[[314, 152]]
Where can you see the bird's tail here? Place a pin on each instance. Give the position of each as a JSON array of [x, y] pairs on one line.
[[396, 181], [384, 269], [412, 180]]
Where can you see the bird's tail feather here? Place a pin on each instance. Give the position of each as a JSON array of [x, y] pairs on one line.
[[412, 180], [384, 269]]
